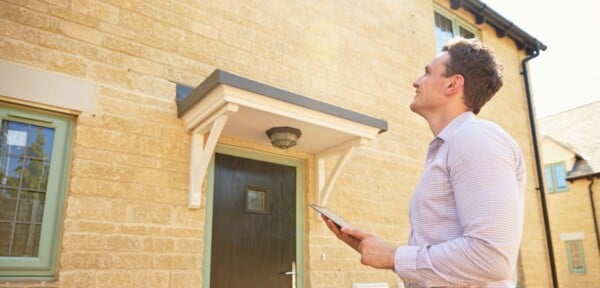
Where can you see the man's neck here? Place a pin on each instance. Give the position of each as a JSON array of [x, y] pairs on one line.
[[438, 122]]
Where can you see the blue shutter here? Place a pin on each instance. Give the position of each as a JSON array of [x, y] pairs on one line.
[[560, 177], [549, 181]]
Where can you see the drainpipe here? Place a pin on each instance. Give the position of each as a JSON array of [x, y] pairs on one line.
[[594, 212], [536, 152]]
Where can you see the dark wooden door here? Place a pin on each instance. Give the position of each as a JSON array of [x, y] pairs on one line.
[[254, 223]]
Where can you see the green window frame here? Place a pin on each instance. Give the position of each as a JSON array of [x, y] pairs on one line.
[[38, 261], [575, 256], [448, 25], [556, 177]]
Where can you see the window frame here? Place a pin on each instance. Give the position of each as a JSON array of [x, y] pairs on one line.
[[550, 177], [457, 22], [579, 244], [44, 266]]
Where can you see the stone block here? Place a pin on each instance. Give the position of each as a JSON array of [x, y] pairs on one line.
[[191, 278], [139, 229], [116, 77], [74, 226], [186, 261], [97, 9], [121, 45], [84, 242], [115, 278], [124, 243], [68, 64], [95, 208], [159, 244], [81, 32], [86, 260], [151, 279], [135, 21], [149, 213], [132, 261], [77, 279]]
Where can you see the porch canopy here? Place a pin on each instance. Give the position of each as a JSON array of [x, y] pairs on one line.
[[238, 107]]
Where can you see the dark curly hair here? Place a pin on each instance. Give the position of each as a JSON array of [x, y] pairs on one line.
[[477, 64]]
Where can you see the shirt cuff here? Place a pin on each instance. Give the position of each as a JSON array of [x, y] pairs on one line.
[[405, 261]]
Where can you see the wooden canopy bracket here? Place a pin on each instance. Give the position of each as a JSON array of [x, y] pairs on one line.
[[202, 150], [325, 184]]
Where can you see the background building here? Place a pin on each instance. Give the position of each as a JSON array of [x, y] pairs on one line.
[[571, 153]]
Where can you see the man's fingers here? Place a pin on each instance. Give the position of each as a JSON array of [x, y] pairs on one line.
[[358, 234], [334, 228]]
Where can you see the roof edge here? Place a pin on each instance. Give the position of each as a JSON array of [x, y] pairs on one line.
[[565, 146], [589, 175], [485, 14], [218, 77]]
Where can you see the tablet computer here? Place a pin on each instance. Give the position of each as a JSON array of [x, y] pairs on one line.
[[331, 215]]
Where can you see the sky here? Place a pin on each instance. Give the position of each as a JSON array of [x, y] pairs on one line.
[[567, 74]]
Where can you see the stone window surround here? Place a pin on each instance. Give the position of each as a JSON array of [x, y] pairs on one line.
[[22, 84]]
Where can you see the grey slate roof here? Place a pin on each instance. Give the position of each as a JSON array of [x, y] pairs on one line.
[[577, 129]]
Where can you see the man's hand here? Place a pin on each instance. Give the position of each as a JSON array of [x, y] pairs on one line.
[[373, 251], [351, 241]]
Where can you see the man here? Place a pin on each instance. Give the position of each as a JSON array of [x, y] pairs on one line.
[[466, 212]]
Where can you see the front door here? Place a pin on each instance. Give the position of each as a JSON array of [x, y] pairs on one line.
[[254, 223]]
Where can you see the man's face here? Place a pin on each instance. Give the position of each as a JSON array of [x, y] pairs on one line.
[[430, 87]]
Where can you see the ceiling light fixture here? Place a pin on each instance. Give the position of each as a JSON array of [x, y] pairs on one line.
[[284, 137]]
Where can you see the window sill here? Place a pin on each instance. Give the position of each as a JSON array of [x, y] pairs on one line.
[[28, 284]]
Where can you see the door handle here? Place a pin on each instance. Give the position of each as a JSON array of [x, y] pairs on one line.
[[292, 273]]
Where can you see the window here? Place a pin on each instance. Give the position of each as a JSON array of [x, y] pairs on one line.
[[575, 255], [34, 153], [556, 177], [448, 26]]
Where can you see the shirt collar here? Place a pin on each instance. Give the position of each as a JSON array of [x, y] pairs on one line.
[[454, 124]]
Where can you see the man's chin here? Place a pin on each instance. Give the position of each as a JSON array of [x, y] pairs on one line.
[[414, 108]]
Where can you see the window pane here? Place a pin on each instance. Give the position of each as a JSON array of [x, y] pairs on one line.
[[575, 252], [8, 205], [443, 24], [35, 175], [3, 143], [465, 33], [25, 156], [11, 176], [257, 200], [31, 207], [39, 142], [443, 30], [5, 230], [549, 181], [16, 137], [26, 240], [560, 176]]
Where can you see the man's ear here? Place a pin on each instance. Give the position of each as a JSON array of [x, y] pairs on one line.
[[456, 84]]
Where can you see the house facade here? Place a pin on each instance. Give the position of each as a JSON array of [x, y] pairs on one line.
[[134, 145], [571, 154]]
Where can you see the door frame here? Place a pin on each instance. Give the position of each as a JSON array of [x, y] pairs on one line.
[[210, 184]]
